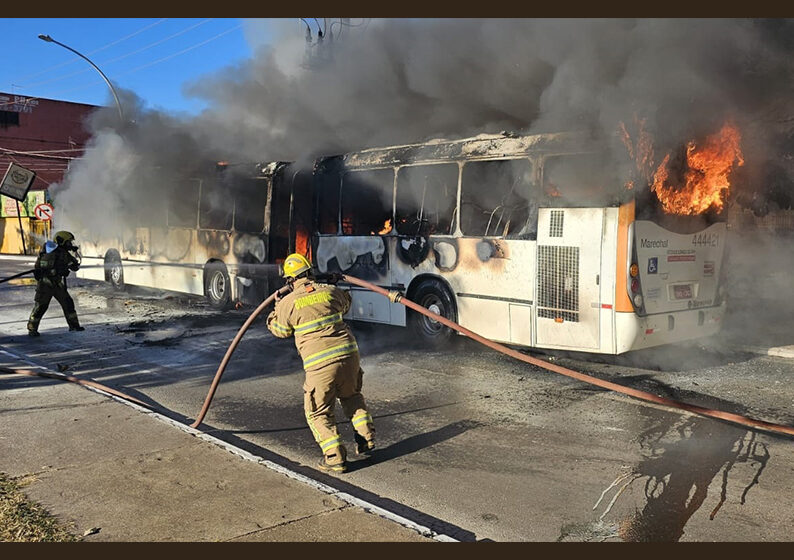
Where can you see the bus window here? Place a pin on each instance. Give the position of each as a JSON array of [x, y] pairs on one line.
[[580, 181], [183, 204], [495, 198], [250, 199], [426, 199], [367, 202], [216, 206], [328, 202]]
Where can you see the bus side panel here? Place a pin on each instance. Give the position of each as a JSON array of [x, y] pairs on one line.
[[486, 276], [92, 268], [173, 277], [365, 257], [607, 284], [569, 270]]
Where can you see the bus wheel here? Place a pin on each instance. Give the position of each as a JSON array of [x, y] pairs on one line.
[[114, 271], [217, 286], [434, 296]]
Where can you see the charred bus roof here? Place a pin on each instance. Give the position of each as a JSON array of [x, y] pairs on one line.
[[483, 146]]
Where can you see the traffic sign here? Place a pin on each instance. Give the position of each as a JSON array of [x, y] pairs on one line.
[[43, 211], [17, 181]]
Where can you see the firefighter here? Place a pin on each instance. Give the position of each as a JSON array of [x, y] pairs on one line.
[[55, 262], [312, 312]]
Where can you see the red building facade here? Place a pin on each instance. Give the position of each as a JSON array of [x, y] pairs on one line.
[[43, 135]]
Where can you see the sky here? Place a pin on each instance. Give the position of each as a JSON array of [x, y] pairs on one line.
[[154, 57]]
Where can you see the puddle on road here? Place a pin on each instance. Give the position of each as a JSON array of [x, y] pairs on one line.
[[682, 458]]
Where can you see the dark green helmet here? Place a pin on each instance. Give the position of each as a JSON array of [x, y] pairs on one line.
[[64, 238]]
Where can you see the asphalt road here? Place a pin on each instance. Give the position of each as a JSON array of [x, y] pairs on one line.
[[471, 442]]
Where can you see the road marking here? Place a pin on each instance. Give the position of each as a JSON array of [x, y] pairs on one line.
[[242, 453]]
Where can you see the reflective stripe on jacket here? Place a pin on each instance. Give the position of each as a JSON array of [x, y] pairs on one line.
[[312, 312]]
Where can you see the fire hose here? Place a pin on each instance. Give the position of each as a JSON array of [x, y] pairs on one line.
[[72, 379], [31, 271], [397, 297]]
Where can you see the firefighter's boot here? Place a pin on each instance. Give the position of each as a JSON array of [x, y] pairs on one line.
[[364, 446], [334, 461]]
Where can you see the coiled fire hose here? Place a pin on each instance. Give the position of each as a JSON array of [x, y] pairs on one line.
[[397, 297]]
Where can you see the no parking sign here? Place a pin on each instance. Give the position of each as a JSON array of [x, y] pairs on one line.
[[43, 211]]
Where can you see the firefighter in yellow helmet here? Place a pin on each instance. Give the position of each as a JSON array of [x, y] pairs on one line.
[[312, 312], [53, 265]]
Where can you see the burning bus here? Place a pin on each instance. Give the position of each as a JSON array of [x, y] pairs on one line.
[[539, 240]]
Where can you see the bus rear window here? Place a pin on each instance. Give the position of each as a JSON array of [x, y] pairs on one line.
[[367, 202], [580, 181], [495, 198], [426, 199]]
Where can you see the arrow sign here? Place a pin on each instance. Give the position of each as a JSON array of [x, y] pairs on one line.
[[43, 211]]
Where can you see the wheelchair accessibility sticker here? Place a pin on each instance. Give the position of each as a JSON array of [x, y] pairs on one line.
[[653, 265]]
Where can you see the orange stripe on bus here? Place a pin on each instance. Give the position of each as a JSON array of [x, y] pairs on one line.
[[625, 218]]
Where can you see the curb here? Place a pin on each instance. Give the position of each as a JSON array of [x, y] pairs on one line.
[[245, 455]]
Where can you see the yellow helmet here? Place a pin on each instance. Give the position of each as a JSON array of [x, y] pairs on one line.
[[294, 265], [63, 237]]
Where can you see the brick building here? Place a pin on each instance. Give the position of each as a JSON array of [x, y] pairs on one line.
[[42, 135]]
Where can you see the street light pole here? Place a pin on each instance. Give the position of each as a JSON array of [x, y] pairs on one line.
[[49, 39]]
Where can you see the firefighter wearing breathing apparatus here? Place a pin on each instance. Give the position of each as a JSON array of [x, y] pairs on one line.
[[54, 264], [312, 312]]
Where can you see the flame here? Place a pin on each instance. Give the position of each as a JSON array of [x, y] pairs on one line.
[[705, 180], [642, 150], [386, 227], [302, 244]]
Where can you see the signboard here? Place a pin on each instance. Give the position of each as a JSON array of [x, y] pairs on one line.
[[8, 206], [17, 181], [43, 212]]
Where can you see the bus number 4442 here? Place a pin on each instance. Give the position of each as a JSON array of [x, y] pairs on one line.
[[705, 239]]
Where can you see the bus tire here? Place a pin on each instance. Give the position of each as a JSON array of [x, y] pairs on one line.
[[114, 270], [217, 285], [433, 295]]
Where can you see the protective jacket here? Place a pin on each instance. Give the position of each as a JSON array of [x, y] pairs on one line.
[[312, 312], [55, 265], [51, 270]]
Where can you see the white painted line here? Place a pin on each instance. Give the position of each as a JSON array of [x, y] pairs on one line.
[[242, 453]]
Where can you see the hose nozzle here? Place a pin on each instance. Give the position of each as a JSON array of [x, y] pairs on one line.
[[395, 296]]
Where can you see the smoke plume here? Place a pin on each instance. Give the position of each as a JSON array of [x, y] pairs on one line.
[[403, 81]]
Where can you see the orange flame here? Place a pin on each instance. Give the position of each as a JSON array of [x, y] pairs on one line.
[[386, 227], [706, 175], [302, 243], [642, 150]]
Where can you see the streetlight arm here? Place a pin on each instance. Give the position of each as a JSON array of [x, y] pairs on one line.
[[49, 39]]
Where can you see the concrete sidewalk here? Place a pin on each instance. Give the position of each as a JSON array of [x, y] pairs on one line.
[[129, 474]]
